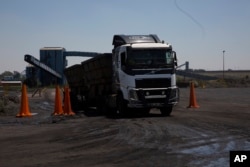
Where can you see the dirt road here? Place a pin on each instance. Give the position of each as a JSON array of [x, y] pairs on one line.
[[190, 137]]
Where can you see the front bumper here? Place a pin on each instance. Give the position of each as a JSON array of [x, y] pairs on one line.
[[153, 97]]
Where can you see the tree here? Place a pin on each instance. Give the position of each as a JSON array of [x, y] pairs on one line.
[[16, 75], [6, 73]]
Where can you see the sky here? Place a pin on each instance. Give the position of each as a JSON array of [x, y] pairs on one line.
[[199, 30]]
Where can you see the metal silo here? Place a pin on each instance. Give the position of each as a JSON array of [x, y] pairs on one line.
[[55, 59]]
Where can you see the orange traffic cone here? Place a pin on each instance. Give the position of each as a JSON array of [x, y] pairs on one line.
[[58, 103], [192, 100], [67, 104], [24, 108]]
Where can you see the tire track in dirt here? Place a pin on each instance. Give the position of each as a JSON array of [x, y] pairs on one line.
[[190, 137], [208, 141]]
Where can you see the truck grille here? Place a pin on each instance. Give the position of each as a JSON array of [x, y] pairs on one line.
[[161, 100], [153, 83]]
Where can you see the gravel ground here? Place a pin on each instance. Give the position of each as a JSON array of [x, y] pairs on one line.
[[189, 137]]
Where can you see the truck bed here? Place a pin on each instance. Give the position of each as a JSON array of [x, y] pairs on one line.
[[92, 77], [98, 70]]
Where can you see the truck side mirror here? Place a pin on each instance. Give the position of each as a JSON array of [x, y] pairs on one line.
[[174, 57]]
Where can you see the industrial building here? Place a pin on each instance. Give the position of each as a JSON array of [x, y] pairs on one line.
[[52, 60], [55, 59]]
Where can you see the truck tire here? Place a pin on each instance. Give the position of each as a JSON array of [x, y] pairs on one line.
[[122, 107], [74, 102], [142, 111], [101, 105], [166, 111], [146, 111]]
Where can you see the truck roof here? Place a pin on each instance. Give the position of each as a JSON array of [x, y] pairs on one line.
[[119, 40], [53, 48], [151, 45]]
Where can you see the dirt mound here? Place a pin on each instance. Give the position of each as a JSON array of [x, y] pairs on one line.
[[9, 104]]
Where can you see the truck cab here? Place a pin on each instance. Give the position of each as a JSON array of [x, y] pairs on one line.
[[144, 73]]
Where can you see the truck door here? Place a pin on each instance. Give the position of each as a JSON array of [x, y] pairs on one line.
[[115, 63]]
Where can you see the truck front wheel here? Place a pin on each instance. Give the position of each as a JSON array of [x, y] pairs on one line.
[[166, 111], [121, 104]]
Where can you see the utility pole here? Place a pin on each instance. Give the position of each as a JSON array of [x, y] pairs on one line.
[[223, 63]]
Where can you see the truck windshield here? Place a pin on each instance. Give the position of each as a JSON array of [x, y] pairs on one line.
[[149, 58]]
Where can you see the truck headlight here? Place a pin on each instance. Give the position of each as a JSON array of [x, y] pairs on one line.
[[133, 95], [173, 94]]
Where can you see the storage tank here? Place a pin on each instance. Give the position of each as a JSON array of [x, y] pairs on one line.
[[55, 59]]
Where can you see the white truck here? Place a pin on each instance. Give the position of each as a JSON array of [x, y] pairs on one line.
[[138, 75]]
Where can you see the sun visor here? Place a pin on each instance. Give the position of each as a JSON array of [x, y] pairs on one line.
[[119, 40]]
